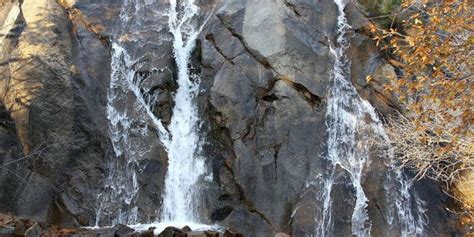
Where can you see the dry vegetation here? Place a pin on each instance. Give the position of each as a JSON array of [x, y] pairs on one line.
[[418, 148], [432, 43]]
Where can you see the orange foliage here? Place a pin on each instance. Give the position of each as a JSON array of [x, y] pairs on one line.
[[434, 50]]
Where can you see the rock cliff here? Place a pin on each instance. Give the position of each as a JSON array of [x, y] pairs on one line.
[[265, 67]]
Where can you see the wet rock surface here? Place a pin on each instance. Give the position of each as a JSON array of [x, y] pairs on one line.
[[55, 72], [13, 226], [265, 69], [187, 232]]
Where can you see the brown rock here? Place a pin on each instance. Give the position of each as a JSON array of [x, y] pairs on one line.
[[123, 230], [229, 233], [148, 233], [196, 234], [34, 231], [20, 228], [186, 229], [172, 232]]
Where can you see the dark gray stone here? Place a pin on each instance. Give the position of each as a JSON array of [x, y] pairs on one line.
[[172, 232], [123, 230], [34, 231], [265, 69]]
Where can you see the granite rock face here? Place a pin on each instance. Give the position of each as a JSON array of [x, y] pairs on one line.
[[55, 67], [265, 69], [60, 148]]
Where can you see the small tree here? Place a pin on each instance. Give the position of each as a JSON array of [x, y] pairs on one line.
[[433, 48]]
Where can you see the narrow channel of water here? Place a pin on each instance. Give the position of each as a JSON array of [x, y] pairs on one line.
[[185, 166], [352, 123], [129, 110]]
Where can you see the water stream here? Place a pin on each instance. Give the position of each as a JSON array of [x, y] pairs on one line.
[[352, 122], [185, 166], [130, 112]]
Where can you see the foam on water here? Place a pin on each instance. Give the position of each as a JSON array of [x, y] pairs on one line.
[[159, 227], [128, 105], [185, 166], [352, 122]]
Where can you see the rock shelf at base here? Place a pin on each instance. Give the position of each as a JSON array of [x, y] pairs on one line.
[[13, 226]]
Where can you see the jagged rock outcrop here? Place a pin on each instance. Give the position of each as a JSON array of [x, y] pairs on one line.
[[265, 67]]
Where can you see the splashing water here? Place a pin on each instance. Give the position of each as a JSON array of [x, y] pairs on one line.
[[185, 166], [129, 131], [351, 123], [159, 227], [181, 139], [410, 215]]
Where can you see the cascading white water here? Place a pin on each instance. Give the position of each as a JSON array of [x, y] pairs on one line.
[[351, 123], [129, 111], [347, 147], [351, 120], [409, 209], [121, 184], [185, 166]]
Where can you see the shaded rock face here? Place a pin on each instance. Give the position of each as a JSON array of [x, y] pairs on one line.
[[56, 105], [55, 67], [265, 69]]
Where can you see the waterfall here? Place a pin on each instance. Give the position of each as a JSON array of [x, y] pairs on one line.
[[347, 131], [129, 111], [351, 123], [185, 166], [410, 215]]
